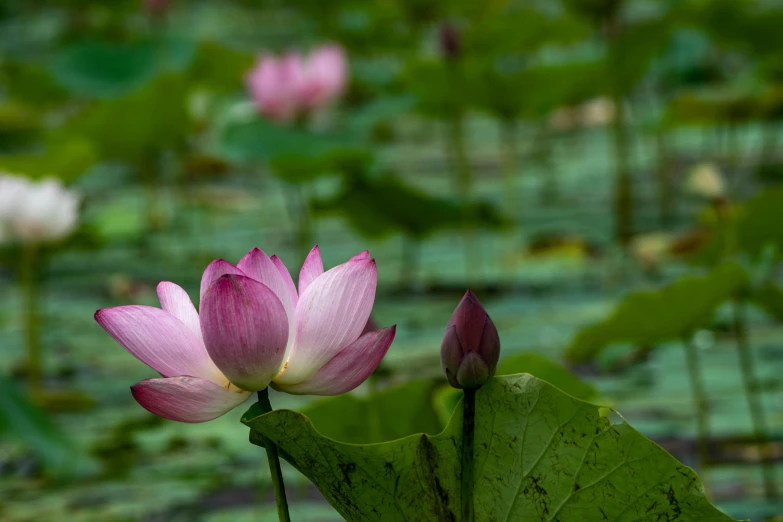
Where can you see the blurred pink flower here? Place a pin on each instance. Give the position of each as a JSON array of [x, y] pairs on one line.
[[291, 86], [325, 77], [254, 329]]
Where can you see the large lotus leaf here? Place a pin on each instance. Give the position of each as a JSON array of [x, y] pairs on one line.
[[386, 415], [385, 206], [549, 86], [744, 26], [30, 83], [769, 297], [63, 156], [521, 29], [668, 313], [220, 68], [633, 52], [262, 140], [756, 223], [103, 68], [140, 124], [539, 455]]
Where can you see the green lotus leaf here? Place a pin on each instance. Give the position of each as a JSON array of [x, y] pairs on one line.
[[539, 455]]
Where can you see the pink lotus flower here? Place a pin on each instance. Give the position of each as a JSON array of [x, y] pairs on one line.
[[291, 86], [254, 330]]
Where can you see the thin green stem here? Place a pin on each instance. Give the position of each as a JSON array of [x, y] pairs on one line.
[[623, 189], [28, 272], [700, 401], [666, 193], [468, 425], [274, 464], [753, 396]]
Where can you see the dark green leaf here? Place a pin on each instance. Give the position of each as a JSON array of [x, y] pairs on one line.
[[540, 455], [385, 206]]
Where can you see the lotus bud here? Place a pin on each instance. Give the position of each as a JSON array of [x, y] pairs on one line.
[[471, 347], [450, 41]]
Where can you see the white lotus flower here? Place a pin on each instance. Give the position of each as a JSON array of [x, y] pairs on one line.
[[36, 211]]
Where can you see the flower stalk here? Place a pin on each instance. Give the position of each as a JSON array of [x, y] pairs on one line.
[[752, 395], [274, 464], [700, 400], [28, 272], [466, 477]]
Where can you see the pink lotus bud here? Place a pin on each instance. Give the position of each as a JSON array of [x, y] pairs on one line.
[[254, 329], [470, 348], [450, 41]]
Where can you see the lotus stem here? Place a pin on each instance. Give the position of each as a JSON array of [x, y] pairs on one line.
[[623, 189], [274, 464], [28, 273], [700, 401], [753, 396], [468, 425], [666, 193]]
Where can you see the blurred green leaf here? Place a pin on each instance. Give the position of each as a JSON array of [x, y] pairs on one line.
[[385, 206], [260, 140], [362, 121], [20, 126], [31, 83], [22, 420], [649, 317], [104, 69], [138, 125], [769, 297], [541, 455], [64, 156], [386, 415], [219, 68]]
